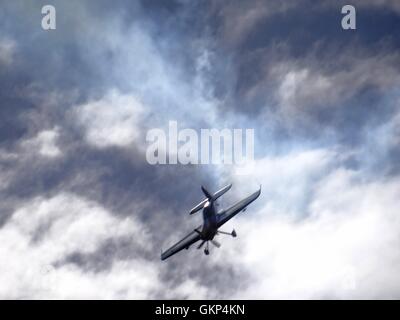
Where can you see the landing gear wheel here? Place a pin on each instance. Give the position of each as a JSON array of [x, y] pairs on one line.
[[206, 252], [234, 234]]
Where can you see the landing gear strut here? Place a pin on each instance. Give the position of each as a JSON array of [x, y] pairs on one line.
[[214, 242], [233, 233], [206, 251]]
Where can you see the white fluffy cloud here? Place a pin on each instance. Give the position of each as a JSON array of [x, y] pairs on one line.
[[346, 245], [111, 121], [44, 231], [45, 143]]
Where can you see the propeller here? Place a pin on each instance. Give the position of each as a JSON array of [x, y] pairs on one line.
[[215, 243], [201, 244]]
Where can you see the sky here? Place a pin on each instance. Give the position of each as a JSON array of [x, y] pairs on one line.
[[83, 215]]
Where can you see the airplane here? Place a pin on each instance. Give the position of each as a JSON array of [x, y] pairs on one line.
[[212, 221]]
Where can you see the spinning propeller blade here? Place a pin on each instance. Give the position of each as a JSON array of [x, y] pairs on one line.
[[215, 243], [201, 244]]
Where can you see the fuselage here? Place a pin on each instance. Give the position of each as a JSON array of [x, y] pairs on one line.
[[210, 226]]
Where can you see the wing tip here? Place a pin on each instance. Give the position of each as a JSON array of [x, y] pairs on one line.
[[256, 194], [162, 255]]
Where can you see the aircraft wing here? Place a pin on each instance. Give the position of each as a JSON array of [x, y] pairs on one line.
[[236, 208], [191, 238]]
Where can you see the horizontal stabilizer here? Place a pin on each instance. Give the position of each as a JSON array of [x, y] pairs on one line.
[[210, 197], [199, 206], [221, 192]]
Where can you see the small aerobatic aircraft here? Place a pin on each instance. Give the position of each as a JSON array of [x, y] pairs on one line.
[[212, 221]]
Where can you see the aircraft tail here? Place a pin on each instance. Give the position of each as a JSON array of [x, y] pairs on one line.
[[206, 193], [210, 197], [220, 192]]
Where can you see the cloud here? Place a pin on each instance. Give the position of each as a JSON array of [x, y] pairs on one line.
[[310, 86], [7, 51], [84, 215], [238, 21], [45, 143], [43, 231], [44, 235], [238, 18], [339, 250], [298, 86], [323, 78], [111, 121], [287, 178]]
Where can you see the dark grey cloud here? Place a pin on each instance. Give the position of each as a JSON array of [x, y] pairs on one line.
[[344, 75]]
